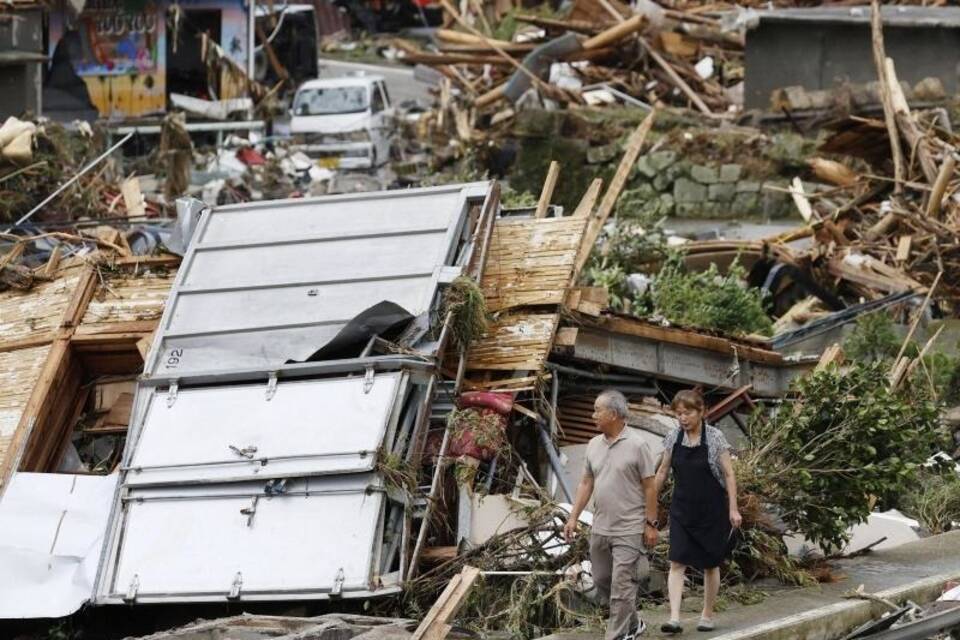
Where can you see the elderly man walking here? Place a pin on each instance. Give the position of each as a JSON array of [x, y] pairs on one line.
[[620, 474]]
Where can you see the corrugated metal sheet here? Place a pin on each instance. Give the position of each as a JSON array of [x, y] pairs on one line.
[[263, 283]]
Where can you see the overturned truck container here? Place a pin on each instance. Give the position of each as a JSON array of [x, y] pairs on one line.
[[270, 399]]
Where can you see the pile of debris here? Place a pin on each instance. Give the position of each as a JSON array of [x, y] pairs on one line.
[[600, 52], [62, 172]]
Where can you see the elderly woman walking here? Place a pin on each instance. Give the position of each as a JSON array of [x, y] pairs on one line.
[[703, 511]]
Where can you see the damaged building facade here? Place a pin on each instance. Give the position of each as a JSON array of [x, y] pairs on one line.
[[132, 56]]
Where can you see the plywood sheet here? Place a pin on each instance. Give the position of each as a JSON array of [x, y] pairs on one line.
[[32, 314], [531, 261], [19, 372], [514, 342], [128, 298]]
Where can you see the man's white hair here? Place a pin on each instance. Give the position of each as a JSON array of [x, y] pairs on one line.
[[615, 401]]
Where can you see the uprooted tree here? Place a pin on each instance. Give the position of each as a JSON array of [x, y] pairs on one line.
[[845, 442]]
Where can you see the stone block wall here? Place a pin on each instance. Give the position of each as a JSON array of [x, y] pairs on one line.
[[663, 183]]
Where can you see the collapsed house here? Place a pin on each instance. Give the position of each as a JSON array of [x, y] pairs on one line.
[[302, 359]]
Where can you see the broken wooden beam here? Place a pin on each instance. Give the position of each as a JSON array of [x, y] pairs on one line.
[[599, 218], [436, 624], [940, 186], [549, 184]]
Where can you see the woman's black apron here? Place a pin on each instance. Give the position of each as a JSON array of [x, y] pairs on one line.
[[699, 513]]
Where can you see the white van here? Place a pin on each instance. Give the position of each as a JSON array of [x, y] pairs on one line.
[[344, 123]]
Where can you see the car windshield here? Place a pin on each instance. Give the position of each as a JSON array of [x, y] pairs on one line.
[[328, 100]]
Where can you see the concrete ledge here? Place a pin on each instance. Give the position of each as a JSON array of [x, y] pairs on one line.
[[835, 620]]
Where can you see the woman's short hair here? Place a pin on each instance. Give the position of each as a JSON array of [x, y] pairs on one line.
[[615, 401], [688, 399]]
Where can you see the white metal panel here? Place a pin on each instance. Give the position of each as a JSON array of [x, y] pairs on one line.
[[232, 311], [196, 543], [51, 535], [310, 427], [257, 350], [407, 209], [382, 257], [268, 282]]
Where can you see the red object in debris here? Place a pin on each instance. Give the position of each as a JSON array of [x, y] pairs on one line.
[[501, 403], [482, 443], [250, 157]]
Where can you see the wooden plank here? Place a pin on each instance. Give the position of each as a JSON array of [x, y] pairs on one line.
[[53, 263], [549, 184], [674, 335], [599, 218], [148, 261], [889, 115], [589, 199], [13, 255], [903, 248], [832, 355], [143, 346], [81, 297], [615, 33], [801, 201], [53, 367], [566, 337], [25, 315], [940, 186], [435, 624], [27, 343], [135, 326]]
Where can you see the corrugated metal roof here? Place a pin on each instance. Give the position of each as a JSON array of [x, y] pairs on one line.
[[267, 282]]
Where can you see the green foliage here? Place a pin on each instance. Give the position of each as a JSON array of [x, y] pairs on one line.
[[511, 199], [631, 247], [398, 473], [944, 376], [710, 300], [508, 24], [464, 300], [935, 500], [846, 437], [873, 338]]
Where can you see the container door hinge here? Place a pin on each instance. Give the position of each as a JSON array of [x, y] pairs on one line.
[[368, 380], [337, 590], [271, 386], [235, 587], [172, 393], [132, 589], [251, 510]]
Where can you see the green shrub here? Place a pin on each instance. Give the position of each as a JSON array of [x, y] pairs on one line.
[[710, 300], [873, 338], [845, 438], [935, 500]]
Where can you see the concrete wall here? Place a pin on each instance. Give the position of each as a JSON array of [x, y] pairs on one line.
[[823, 55]]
